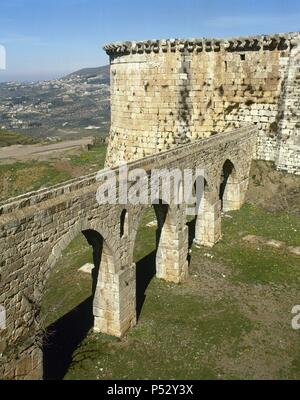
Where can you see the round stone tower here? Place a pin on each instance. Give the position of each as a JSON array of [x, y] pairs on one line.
[[168, 92], [150, 104]]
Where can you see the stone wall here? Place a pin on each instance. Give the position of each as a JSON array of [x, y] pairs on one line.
[[35, 228], [170, 92]]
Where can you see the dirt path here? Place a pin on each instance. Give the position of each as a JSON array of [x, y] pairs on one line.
[[15, 153]]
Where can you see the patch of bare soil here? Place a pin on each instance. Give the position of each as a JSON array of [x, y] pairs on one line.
[[278, 244], [64, 166], [41, 152], [273, 190]]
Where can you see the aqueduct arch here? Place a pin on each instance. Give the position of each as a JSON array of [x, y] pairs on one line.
[[233, 186], [171, 259], [124, 223], [42, 223], [208, 221], [228, 187]]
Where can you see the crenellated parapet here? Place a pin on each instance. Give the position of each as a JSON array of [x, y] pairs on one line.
[[166, 93], [251, 43]]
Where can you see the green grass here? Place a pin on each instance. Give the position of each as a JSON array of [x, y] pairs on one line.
[[185, 333], [94, 157], [173, 336], [147, 245], [259, 264], [10, 138], [254, 220], [19, 178], [24, 177], [66, 287]]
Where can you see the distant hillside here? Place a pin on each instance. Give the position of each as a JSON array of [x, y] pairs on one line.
[[10, 138], [103, 73], [74, 106]]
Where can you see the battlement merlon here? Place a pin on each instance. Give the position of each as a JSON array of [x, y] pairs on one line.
[[281, 41]]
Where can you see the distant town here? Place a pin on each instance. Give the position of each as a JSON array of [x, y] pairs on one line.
[[73, 106]]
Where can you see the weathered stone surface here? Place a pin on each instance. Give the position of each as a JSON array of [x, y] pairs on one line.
[[35, 228], [87, 268], [170, 92], [166, 95]]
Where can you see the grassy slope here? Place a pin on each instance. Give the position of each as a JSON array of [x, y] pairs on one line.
[[260, 264], [66, 287], [9, 138], [231, 325], [19, 178]]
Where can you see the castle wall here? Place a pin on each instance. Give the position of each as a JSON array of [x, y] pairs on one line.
[[171, 92]]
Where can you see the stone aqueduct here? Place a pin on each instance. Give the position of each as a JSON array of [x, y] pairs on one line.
[[167, 98], [36, 228]]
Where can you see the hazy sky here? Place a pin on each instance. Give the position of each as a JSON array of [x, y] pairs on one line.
[[47, 38]]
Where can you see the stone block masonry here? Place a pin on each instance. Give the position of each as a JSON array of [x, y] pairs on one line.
[[240, 97], [36, 227], [170, 92]]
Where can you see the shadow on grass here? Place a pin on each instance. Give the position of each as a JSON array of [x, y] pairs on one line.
[[145, 271], [63, 337]]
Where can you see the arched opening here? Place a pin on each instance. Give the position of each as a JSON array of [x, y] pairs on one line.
[[67, 303], [195, 209], [164, 235], [151, 248], [124, 223], [228, 193], [144, 255]]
